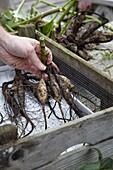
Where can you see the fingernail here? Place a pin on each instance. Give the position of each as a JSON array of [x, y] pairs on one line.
[[42, 67]]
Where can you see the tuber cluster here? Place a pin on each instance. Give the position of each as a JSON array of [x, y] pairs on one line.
[[81, 36]]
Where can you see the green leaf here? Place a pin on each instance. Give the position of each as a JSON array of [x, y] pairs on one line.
[[102, 164], [33, 10], [20, 15], [47, 27], [100, 157], [92, 166], [106, 164], [7, 17], [107, 56]]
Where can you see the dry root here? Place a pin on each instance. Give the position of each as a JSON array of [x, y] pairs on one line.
[[56, 88]]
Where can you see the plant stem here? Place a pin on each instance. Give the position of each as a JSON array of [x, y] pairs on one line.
[[43, 51], [67, 3], [41, 15], [90, 18], [55, 16], [74, 8], [20, 6], [109, 27], [47, 3], [64, 28], [93, 18], [9, 28], [65, 12]]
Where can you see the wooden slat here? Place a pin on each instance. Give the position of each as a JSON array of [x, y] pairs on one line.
[[75, 159], [41, 149]]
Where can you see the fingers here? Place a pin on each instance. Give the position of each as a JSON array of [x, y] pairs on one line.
[[48, 53], [20, 63], [49, 56], [33, 42], [36, 61], [35, 54], [39, 74], [25, 54], [55, 66], [34, 71], [29, 68]]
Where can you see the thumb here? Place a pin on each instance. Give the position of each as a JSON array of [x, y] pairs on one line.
[[36, 61]]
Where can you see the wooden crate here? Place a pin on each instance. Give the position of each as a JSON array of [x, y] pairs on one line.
[[43, 151]]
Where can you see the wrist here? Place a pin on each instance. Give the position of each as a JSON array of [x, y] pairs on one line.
[[4, 36]]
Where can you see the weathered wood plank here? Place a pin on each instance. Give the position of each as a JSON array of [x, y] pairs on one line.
[[77, 63], [38, 150], [27, 30], [85, 154]]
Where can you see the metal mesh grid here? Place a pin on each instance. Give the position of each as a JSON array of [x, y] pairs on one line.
[[90, 90]]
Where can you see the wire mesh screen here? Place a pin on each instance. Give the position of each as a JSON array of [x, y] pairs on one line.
[[87, 90]]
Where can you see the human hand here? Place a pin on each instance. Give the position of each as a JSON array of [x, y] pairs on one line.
[[24, 53], [82, 6]]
